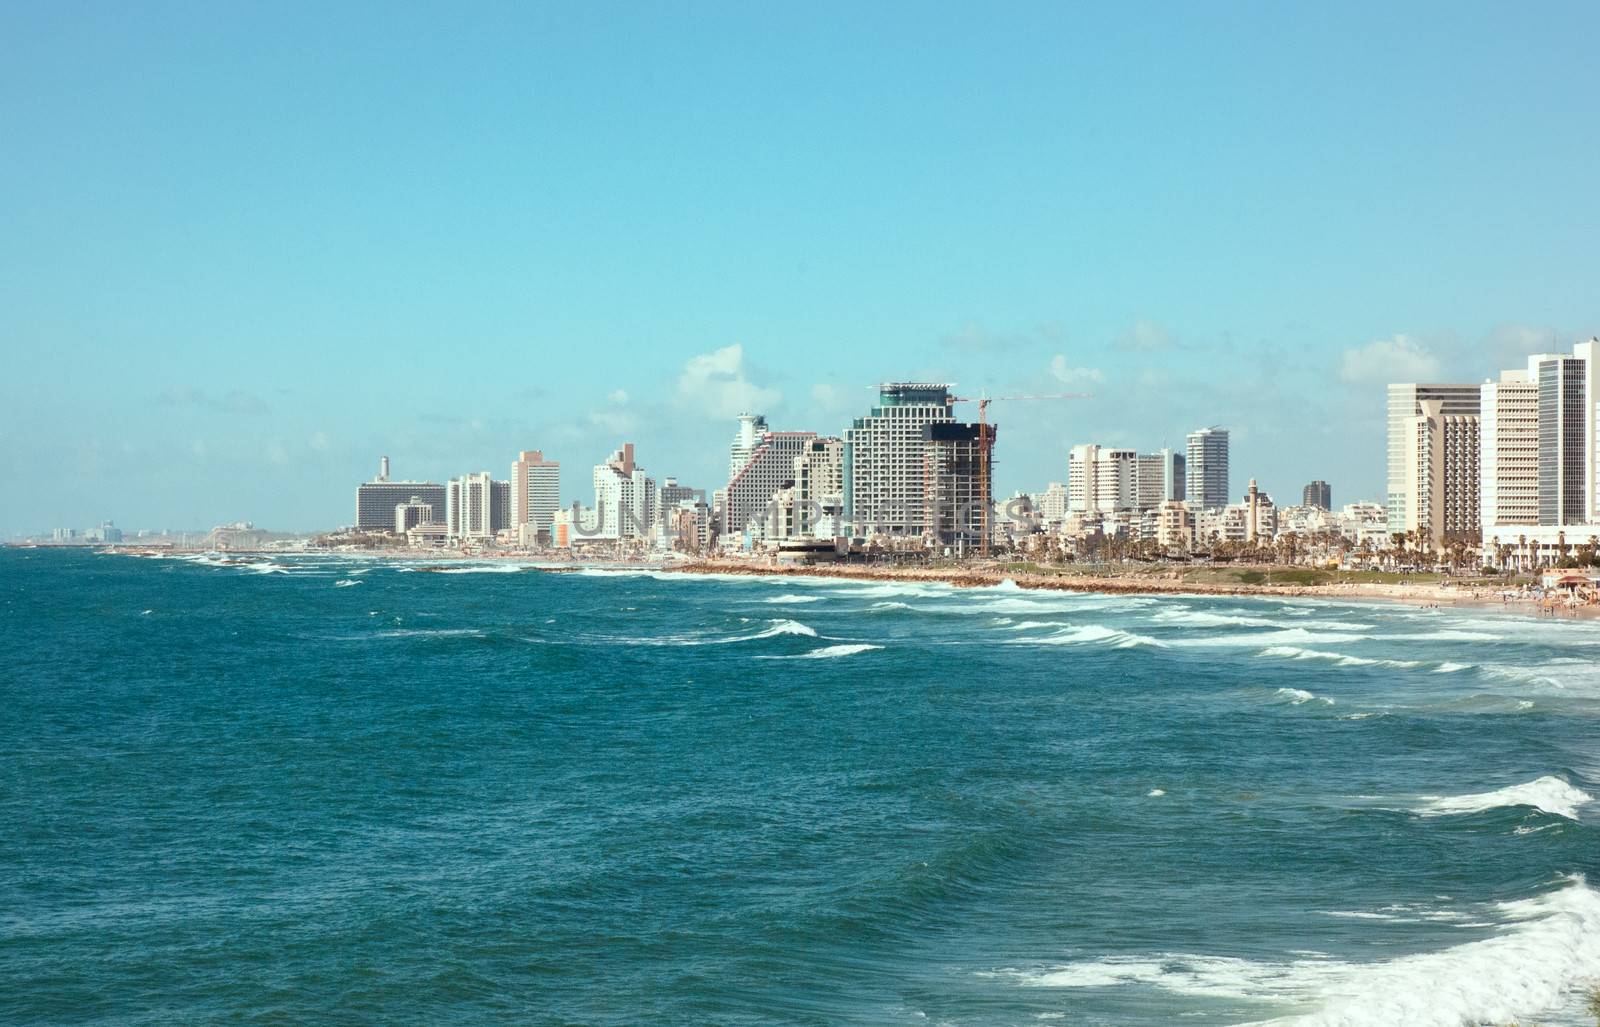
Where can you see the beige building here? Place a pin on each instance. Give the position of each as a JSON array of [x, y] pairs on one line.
[[535, 495], [1434, 466]]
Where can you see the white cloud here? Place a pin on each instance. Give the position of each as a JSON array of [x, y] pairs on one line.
[[715, 384], [1145, 336], [277, 453], [1074, 375], [619, 397], [1397, 359], [318, 442], [826, 396]]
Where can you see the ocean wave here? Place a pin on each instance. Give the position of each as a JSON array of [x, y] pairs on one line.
[[790, 599], [1299, 697], [827, 652], [772, 630], [1549, 793], [1292, 652], [488, 568], [345, 583], [889, 591], [1028, 625], [1445, 635], [891, 606], [1286, 636], [1090, 634], [1546, 947], [431, 633]]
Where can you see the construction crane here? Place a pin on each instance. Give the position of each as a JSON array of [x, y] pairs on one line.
[[986, 448]]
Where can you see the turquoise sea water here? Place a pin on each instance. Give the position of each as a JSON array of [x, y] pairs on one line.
[[339, 790]]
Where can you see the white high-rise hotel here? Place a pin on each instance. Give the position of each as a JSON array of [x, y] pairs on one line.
[[1514, 463]]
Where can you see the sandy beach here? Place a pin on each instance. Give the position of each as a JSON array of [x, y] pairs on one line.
[[1427, 592]]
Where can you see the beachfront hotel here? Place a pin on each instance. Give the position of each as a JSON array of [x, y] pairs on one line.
[[535, 495], [1511, 464], [1540, 457], [376, 499], [893, 462], [1433, 475]]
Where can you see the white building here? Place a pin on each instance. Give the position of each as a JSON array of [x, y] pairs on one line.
[[1101, 479], [751, 428], [748, 501], [819, 487], [885, 455], [624, 501], [476, 506], [1206, 468], [1434, 463], [1052, 506], [411, 513]]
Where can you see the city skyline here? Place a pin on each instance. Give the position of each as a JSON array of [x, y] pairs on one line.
[[236, 272]]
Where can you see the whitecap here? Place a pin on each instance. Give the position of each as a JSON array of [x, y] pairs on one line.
[[493, 568], [345, 583], [791, 599], [1299, 697], [1545, 948], [1549, 793], [1090, 634], [827, 652]]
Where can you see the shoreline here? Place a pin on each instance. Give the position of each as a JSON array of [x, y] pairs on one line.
[[1423, 595], [1426, 595]]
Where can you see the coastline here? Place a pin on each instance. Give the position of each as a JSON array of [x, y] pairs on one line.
[[1430, 593], [1422, 594]]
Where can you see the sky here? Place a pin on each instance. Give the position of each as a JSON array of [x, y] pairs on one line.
[[248, 248]]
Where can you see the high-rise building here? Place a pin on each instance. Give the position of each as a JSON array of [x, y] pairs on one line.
[[477, 506], [535, 492], [955, 490], [819, 487], [376, 499], [751, 428], [747, 501], [1104, 480], [1406, 488], [885, 458], [1564, 455], [1509, 450], [624, 499], [1206, 466], [1318, 495], [1158, 479], [1435, 494]]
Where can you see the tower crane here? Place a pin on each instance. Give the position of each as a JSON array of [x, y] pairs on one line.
[[986, 447]]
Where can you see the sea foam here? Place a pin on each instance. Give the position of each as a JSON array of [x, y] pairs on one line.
[[827, 652], [1090, 634], [1545, 949], [1550, 794]]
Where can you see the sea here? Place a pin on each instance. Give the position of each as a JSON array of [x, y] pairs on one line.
[[333, 789]]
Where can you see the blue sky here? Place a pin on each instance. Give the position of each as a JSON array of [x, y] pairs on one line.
[[247, 248]]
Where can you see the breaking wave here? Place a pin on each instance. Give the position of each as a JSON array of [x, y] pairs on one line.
[[791, 599], [1291, 652], [1550, 794], [1090, 634], [1545, 948], [1299, 697], [827, 652]]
